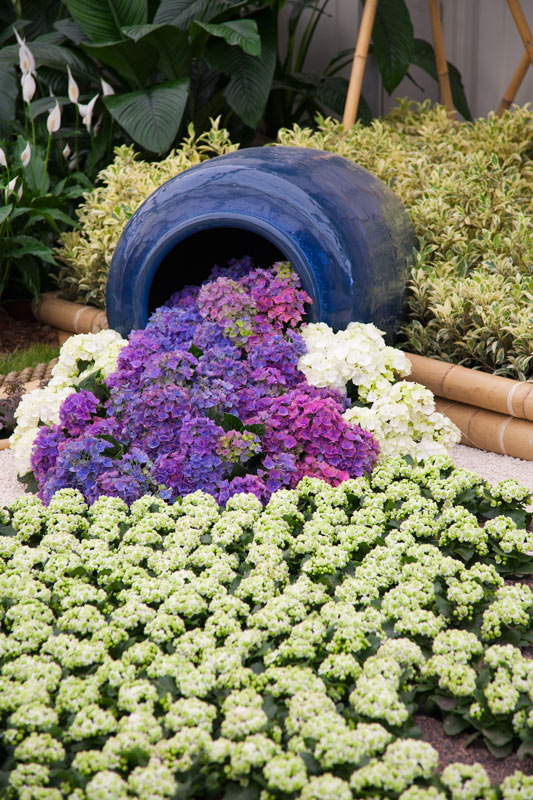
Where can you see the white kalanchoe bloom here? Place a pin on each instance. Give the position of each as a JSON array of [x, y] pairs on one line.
[[53, 122], [26, 59], [73, 89], [29, 86], [86, 111], [25, 156]]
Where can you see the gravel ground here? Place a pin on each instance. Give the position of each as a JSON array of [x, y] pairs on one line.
[[490, 465]]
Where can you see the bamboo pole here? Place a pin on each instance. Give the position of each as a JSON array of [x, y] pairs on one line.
[[358, 64], [487, 430], [440, 58], [522, 25], [516, 80], [473, 387], [67, 316]]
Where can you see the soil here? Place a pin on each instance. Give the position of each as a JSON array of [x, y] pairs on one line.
[[453, 749], [18, 334]]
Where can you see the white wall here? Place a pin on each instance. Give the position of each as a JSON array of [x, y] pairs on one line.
[[480, 36]]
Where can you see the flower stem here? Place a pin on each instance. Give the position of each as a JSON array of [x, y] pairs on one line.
[[46, 161]]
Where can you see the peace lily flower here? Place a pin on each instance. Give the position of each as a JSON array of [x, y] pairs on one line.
[[66, 151], [11, 187], [26, 155], [86, 111], [3, 160], [73, 89], [28, 86], [107, 89], [26, 59], [53, 123]]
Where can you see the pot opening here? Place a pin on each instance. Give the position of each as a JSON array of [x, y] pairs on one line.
[[193, 258]]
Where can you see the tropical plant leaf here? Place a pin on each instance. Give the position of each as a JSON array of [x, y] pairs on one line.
[[51, 55], [70, 28], [250, 76], [101, 20], [23, 245], [5, 211], [393, 40], [151, 116], [240, 32], [424, 57], [171, 44], [182, 12], [134, 61], [8, 93]]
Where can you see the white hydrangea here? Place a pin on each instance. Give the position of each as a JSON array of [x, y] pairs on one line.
[[357, 354], [400, 414], [79, 357], [404, 421]]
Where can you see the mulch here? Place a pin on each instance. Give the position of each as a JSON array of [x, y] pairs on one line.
[[19, 334], [453, 749]]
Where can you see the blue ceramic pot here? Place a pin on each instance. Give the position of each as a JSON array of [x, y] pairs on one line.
[[343, 230]]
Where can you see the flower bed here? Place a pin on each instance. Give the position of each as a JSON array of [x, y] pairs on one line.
[[226, 390], [189, 650]]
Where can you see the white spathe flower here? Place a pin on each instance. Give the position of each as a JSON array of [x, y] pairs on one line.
[[73, 89], [28, 86], [86, 111], [3, 159], [26, 59], [107, 89], [53, 123], [11, 187], [25, 156], [66, 151]]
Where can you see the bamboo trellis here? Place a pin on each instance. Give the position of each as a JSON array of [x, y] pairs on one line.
[[363, 41]]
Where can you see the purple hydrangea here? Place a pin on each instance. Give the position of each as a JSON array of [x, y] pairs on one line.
[[208, 396]]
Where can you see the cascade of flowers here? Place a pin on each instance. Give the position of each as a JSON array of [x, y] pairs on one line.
[[209, 396], [226, 390]]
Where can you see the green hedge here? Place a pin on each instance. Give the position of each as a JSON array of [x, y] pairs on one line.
[[467, 188]]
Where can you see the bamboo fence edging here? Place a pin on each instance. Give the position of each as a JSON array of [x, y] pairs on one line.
[[68, 317], [480, 389], [488, 430]]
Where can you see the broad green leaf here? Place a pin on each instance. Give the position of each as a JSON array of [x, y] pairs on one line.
[[5, 212], [51, 55], [240, 32], [134, 61], [34, 174], [171, 44], [70, 28], [8, 93], [424, 57], [182, 12], [30, 275], [250, 76], [151, 116], [24, 245], [101, 20], [393, 40]]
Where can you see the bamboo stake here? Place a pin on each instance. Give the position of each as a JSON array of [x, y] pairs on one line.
[[358, 65], [440, 58], [513, 87], [522, 25]]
